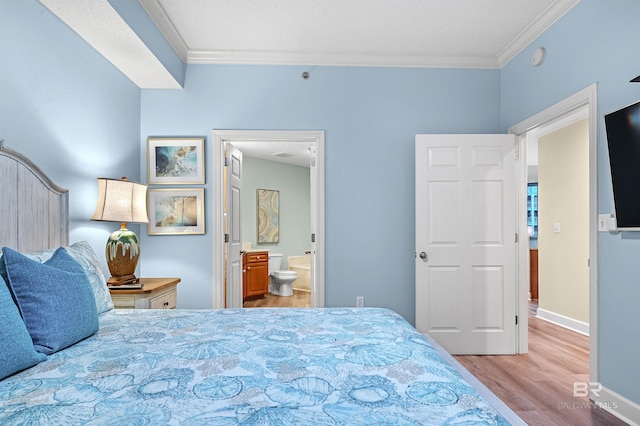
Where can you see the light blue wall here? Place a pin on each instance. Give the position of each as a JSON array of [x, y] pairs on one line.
[[68, 109], [293, 182], [371, 117], [596, 42]]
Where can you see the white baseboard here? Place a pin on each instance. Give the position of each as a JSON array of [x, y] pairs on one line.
[[621, 407], [566, 322]]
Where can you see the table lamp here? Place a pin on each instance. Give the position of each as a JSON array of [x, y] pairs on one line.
[[121, 200]]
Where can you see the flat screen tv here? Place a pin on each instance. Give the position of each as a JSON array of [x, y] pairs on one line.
[[623, 139]]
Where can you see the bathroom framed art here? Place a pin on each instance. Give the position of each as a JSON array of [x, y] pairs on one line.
[[268, 216]]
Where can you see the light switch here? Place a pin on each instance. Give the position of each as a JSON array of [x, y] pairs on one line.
[[556, 228], [603, 220], [607, 223]]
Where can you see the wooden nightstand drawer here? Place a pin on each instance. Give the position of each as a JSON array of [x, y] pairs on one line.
[[120, 302], [164, 301], [156, 293]]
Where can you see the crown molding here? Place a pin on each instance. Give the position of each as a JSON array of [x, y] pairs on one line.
[[546, 19], [339, 59], [159, 17]]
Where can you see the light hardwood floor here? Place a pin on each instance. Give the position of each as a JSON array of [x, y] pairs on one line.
[[300, 299], [538, 386]]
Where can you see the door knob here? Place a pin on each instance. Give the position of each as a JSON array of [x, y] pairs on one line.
[[424, 256]]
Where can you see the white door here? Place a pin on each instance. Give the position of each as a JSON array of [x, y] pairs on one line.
[[466, 242], [233, 178], [313, 209]]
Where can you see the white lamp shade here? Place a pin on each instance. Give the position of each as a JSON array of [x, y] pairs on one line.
[[121, 201]]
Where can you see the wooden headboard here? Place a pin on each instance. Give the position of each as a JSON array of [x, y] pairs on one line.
[[34, 212]]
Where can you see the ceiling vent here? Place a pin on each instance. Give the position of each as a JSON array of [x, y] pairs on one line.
[[283, 154]]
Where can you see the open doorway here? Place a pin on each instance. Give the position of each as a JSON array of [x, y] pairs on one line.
[[275, 223], [558, 220], [581, 106], [226, 208]]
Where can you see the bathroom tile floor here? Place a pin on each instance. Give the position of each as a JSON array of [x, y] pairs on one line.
[[300, 299]]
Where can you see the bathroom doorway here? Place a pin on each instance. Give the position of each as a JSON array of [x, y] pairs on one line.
[[275, 223], [267, 152]]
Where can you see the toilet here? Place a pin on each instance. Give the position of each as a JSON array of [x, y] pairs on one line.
[[280, 282]]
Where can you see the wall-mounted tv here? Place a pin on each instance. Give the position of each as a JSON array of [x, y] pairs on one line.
[[623, 139]]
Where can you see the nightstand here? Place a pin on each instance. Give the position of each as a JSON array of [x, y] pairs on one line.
[[156, 293]]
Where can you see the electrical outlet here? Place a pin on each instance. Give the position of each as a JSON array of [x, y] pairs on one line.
[[360, 302]]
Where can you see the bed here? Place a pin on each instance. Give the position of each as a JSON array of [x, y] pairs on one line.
[[330, 366]]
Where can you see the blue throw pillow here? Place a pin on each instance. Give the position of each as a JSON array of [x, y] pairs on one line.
[[83, 253], [16, 347], [54, 298]]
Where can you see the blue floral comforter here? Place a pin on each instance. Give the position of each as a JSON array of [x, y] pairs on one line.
[[246, 366]]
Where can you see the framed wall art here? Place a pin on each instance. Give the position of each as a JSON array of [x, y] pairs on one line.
[[177, 211], [175, 161], [268, 202]]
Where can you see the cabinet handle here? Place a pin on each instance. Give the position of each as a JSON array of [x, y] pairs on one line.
[[166, 303]]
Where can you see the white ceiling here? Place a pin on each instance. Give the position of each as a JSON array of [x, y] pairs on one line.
[[408, 33], [404, 33], [292, 153]]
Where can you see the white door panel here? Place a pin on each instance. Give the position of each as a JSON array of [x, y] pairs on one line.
[[234, 246], [313, 180], [465, 226]]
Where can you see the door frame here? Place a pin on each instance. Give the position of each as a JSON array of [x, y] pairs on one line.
[[584, 99], [220, 137]]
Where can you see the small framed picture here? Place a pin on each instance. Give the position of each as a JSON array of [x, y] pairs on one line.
[[176, 211], [175, 161]]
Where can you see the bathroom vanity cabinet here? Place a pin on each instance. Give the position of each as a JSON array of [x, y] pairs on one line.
[[255, 274]]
